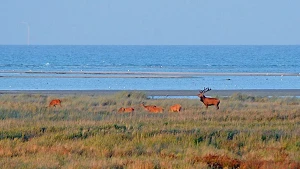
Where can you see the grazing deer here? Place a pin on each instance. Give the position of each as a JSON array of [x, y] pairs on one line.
[[208, 101], [156, 109], [55, 102], [126, 110], [152, 108], [175, 108], [147, 107]]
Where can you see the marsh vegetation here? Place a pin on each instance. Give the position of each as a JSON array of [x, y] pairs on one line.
[[88, 132]]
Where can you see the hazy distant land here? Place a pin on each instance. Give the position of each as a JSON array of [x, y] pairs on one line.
[[253, 92]]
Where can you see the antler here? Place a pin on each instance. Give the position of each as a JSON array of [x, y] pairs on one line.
[[205, 90]]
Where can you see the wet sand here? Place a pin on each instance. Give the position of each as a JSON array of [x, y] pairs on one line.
[[164, 93]]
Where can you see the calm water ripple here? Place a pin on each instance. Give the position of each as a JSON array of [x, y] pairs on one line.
[[149, 67]]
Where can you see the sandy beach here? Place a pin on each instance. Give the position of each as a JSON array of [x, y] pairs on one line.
[[166, 93]]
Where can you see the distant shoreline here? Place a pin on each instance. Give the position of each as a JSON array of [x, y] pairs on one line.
[[128, 74], [165, 93]]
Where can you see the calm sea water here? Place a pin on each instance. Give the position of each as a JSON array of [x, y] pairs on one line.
[[129, 67]]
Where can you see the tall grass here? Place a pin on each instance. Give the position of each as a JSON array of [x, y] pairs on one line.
[[87, 132]]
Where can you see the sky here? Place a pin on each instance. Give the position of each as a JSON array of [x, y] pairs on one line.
[[150, 22]]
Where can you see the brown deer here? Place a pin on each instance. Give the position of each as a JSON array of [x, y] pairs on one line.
[[156, 109], [126, 110], [152, 108], [147, 107], [208, 101], [175, 108], [55, 102]]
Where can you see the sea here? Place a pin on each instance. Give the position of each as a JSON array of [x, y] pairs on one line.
[[138, 67]]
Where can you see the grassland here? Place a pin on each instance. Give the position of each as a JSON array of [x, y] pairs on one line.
[[87, 132]]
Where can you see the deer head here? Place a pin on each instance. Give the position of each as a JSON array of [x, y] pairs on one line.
[[201, 92]]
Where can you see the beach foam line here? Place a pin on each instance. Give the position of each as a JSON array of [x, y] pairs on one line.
[[125, 74], [165, 93]]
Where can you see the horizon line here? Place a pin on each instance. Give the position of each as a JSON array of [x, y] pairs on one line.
[[150, 45]]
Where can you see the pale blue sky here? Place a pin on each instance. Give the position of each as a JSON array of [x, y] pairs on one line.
[[150, 22]]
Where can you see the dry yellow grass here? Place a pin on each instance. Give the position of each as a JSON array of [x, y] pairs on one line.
[[87, 132]]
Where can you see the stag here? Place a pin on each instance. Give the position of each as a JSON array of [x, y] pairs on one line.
[[208, 101]]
